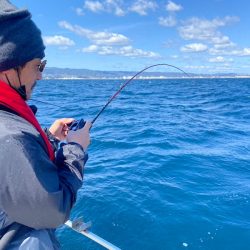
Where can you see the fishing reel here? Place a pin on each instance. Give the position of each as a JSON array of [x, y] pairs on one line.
[[75, 125], [78, 124]]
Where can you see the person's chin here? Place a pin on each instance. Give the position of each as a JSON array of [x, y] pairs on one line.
[[28, 95], [34, 85], [29, 92]]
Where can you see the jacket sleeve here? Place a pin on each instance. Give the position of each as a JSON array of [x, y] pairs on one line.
[[35, 191]]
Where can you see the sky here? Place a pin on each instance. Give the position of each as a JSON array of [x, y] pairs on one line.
[[198, 36]]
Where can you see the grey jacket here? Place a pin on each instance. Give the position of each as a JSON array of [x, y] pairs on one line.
[[34, 191]]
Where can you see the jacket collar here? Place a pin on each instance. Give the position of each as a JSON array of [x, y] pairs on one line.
[[12, 100]]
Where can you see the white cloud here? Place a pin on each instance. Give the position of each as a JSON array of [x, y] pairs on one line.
[[220, 40], [169, 21], [236, 52], [224, 46], [197, 67], [119, 11], [130, 51], [79, 12], [215, 51], [127, 51], [58, 41], [105, 38], [194, 47], [220, 59], [142, 6], [92, 48], [99, 38], [104, 42], [217, 59], [115, 5], [245, 52], [105, 6], [172, 7], [94, 6], [119, 8], [203, 29]]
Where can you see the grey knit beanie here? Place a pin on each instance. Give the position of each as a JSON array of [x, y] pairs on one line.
[[20, 39]]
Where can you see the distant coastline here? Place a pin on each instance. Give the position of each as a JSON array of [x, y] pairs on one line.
[[85, 74]]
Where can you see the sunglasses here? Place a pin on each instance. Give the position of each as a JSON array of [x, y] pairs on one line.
[[41, 66]]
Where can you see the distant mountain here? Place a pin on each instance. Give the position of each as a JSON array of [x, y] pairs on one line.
[[67, 73]]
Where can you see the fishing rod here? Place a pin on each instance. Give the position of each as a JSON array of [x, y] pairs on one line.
[[128, 81], [80, 123]]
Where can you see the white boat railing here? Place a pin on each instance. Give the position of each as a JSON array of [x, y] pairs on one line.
[[82, 228]]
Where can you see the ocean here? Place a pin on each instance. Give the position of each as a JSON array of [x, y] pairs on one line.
[[169, 162]]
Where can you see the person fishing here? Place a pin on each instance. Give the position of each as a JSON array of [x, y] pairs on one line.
[[39, 179]]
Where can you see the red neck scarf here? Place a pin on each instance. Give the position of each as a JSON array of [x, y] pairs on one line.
[[11, 99]]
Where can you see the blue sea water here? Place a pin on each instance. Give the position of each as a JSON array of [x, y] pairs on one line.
[[169, 162]]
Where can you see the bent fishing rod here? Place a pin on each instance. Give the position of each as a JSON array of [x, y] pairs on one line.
[[80, 123], [128, 81]]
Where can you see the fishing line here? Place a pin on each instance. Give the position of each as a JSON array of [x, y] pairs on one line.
[[128, 81], [52, 104]]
